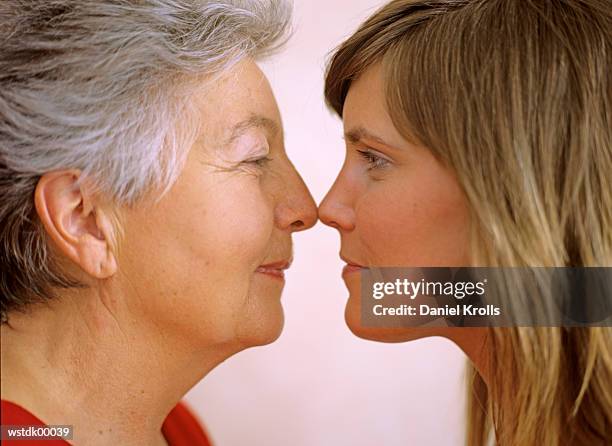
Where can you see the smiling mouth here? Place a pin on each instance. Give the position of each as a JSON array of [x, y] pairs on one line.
[[275, 270]]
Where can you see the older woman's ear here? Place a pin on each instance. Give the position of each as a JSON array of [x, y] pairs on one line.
[[79, 227]]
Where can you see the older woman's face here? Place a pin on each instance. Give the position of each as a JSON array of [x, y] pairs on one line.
[[393, 203], [206, 262]]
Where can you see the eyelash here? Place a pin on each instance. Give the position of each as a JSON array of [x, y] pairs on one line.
[[258, 162], [374, 161]]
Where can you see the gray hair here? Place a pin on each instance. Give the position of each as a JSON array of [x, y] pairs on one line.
[[98, 86]]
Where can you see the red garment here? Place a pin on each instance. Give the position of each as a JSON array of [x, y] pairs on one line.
[[180, 427]]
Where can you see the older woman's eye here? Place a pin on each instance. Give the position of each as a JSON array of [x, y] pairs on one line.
[[260, 162], [374, 161]]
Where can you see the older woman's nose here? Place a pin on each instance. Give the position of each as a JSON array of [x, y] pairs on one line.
[[297, 211], [336, 211]]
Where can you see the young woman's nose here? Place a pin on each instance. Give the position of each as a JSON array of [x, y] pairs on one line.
[[336, 209]]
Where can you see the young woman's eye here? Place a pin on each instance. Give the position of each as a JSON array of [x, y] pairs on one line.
[[374, 161]]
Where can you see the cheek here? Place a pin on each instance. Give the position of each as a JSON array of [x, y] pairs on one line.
[[224, 230], [237, 227], [412, 221], [194, 255]]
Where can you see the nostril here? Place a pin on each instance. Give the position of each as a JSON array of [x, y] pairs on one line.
[[298, 224]]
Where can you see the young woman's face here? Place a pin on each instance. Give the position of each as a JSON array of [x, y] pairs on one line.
[[393, 203]]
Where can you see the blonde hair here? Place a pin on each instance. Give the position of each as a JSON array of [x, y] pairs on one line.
[[516, 98]]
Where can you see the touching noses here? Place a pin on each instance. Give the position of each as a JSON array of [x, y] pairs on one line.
[[336, 209], [297, 210]]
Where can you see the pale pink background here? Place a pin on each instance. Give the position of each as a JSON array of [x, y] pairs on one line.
[[318, 385]]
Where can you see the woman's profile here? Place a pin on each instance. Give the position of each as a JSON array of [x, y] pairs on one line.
[[147, 207], [478, 133]]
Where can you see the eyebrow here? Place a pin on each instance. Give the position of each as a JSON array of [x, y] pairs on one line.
[[358, 134], [253, 121]]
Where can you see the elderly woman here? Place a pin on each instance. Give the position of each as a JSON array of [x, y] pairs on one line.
[[147, 207]]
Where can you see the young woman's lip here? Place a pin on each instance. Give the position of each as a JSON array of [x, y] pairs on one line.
[[350, 266], [349, 262]]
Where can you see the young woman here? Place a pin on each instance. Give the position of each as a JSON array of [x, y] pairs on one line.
[[479, 133]]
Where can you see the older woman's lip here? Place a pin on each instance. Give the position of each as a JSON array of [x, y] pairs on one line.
[[275, 269]]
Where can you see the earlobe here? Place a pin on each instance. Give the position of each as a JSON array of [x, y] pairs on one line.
[[78, 226]]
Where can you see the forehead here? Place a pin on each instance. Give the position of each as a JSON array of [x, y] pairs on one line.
[[365, 97], [365, 108], [239, 99]]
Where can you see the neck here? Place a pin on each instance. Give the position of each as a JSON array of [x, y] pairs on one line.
[[79, 363], [474, 341]]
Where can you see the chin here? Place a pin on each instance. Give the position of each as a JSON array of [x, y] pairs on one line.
[[352, 317], [262, 330]]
